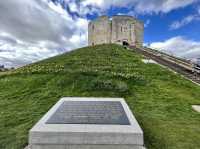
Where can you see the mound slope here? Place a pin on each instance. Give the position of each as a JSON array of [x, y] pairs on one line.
[[160, 99]]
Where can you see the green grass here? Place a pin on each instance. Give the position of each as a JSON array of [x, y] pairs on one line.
[[160, 99]]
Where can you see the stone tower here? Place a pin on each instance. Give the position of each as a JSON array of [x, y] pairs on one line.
[[124, 30]]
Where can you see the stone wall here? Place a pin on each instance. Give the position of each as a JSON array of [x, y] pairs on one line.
[[123, 30], [119, 29], [99, 31], [139, 33]]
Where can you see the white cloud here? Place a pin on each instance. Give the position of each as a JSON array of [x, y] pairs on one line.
[[99, 7], [73, 7], [164, 6], [41, 28], [185, 21], [38, 30], [140, 6], [146, 24], [198, 10], [179, 46]]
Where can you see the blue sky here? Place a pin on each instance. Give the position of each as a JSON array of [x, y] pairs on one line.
[[38, 29]]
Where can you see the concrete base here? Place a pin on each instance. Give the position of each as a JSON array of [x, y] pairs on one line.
[[196, 108], [27, 147], [86, 136], [86, 147]]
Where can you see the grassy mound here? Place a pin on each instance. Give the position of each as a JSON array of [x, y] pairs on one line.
[[160, 99]]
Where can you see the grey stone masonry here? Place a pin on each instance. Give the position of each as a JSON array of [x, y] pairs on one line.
[[118, 29], [87, 123]]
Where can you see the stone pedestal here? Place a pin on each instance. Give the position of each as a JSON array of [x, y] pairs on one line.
[[87, 123]]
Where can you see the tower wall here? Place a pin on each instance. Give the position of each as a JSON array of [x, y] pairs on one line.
[[123, 29], [139, 33], [118, 30], [99, 31]]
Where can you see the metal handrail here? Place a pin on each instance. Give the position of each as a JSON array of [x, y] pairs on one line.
[[189, 65]]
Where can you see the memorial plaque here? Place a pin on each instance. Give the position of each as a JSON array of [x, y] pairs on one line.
[[83, 123], [90, 112]]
